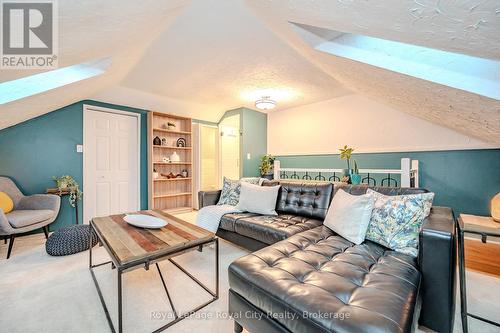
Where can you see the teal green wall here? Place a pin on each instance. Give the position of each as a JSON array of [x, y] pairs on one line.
[[254, 141], [462, 179], [34, 151]]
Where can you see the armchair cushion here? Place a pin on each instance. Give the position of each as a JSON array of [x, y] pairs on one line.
[[22, 218], [39, 201]]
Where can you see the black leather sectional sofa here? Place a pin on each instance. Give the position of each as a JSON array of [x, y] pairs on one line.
[[303, 277]]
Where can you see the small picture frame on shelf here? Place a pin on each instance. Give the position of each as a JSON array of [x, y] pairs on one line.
[[157, 141], [181, 142]]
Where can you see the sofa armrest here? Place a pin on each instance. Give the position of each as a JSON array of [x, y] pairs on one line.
[[40, 201], [208, 198], [437, 253], [5, 227]]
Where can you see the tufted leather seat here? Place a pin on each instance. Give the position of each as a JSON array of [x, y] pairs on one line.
[[227, 221], [325, 283], [300, 207], [272, 229]]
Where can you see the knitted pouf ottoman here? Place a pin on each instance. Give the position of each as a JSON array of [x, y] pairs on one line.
[[70, 240]]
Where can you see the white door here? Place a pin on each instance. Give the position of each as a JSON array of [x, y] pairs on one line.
[[230, 152], [229, 147], [110, 163], [209, 166]]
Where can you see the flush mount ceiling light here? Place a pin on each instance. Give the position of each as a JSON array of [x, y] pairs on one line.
[[265, 103]]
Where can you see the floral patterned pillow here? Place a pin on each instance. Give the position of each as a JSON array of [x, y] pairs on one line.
[[396, 220], [230, 194]]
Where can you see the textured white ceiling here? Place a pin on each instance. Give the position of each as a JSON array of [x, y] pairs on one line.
[[440, 24], [91, 30], [218, 54], [202, 57]]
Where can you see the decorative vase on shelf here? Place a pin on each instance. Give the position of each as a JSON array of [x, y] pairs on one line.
[[184, 173], [346, 172], [495, 207], [355, 178], [175, 158], [346, 176], [268, 176]]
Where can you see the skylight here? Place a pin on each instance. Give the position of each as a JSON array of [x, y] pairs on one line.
[[39, 83], [473, 74]]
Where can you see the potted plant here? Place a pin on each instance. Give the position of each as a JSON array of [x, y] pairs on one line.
[[355, 176], [171, 126], [267, 166], [68, 184], [345, 154]]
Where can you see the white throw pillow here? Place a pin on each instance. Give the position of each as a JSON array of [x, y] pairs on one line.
[[258, 199], [349, 215]]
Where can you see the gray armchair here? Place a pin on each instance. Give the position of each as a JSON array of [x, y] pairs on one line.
[[30, 212]]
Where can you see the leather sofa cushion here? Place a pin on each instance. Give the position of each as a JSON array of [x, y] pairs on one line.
[[308, 200], [319, 273], [361, 189], [23, 218], [227, 221], [271, 229]]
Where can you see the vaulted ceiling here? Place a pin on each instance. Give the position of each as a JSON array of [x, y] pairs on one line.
[[202, 57]]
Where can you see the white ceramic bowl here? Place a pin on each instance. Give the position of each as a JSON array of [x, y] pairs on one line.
[[145, 221]]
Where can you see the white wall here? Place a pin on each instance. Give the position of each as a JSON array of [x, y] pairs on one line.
[[368, 126]]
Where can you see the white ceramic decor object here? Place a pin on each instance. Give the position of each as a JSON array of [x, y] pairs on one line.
[[145, 221], [175, 157]]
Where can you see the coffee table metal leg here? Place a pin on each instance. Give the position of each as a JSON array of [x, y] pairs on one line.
[[217, 268], [91, 268], [463, 287], [120, 271], [166, 291], [215, 295], [120, 326]]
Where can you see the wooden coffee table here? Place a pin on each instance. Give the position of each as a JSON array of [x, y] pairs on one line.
[[131, 247]]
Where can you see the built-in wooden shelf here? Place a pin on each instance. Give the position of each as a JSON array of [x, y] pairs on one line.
[[171, 131], [170, 179], [168, 147], [172, 195], [178, 210], [173, 163]]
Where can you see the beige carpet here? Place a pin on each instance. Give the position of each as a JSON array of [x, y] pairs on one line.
[[40, 293]]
